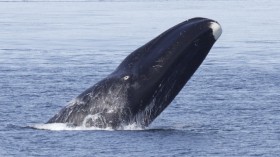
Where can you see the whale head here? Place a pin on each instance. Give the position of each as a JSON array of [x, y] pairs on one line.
[[156, 72]]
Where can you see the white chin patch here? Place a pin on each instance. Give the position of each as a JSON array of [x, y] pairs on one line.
[[217, 30]]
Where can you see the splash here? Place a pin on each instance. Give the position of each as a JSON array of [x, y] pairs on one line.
[[67, 127], [133, 126]]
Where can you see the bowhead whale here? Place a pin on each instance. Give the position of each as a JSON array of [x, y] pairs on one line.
[[146, 82]]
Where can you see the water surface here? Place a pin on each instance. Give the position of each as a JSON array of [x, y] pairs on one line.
[[52, 51]]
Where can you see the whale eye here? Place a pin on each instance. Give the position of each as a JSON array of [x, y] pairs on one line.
[[126, 77]]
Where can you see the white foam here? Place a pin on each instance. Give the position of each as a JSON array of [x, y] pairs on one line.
[[133, 126], [64, 126], [217, 29]]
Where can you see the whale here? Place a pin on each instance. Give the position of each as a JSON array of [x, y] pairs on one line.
[[146, 81]]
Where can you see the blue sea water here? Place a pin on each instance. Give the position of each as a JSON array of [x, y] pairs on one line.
[[52, 51]]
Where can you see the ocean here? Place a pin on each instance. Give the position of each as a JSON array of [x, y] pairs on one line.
[[51, 51]]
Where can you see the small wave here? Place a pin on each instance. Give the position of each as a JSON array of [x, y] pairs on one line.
[[67, 127], [14, 127]]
